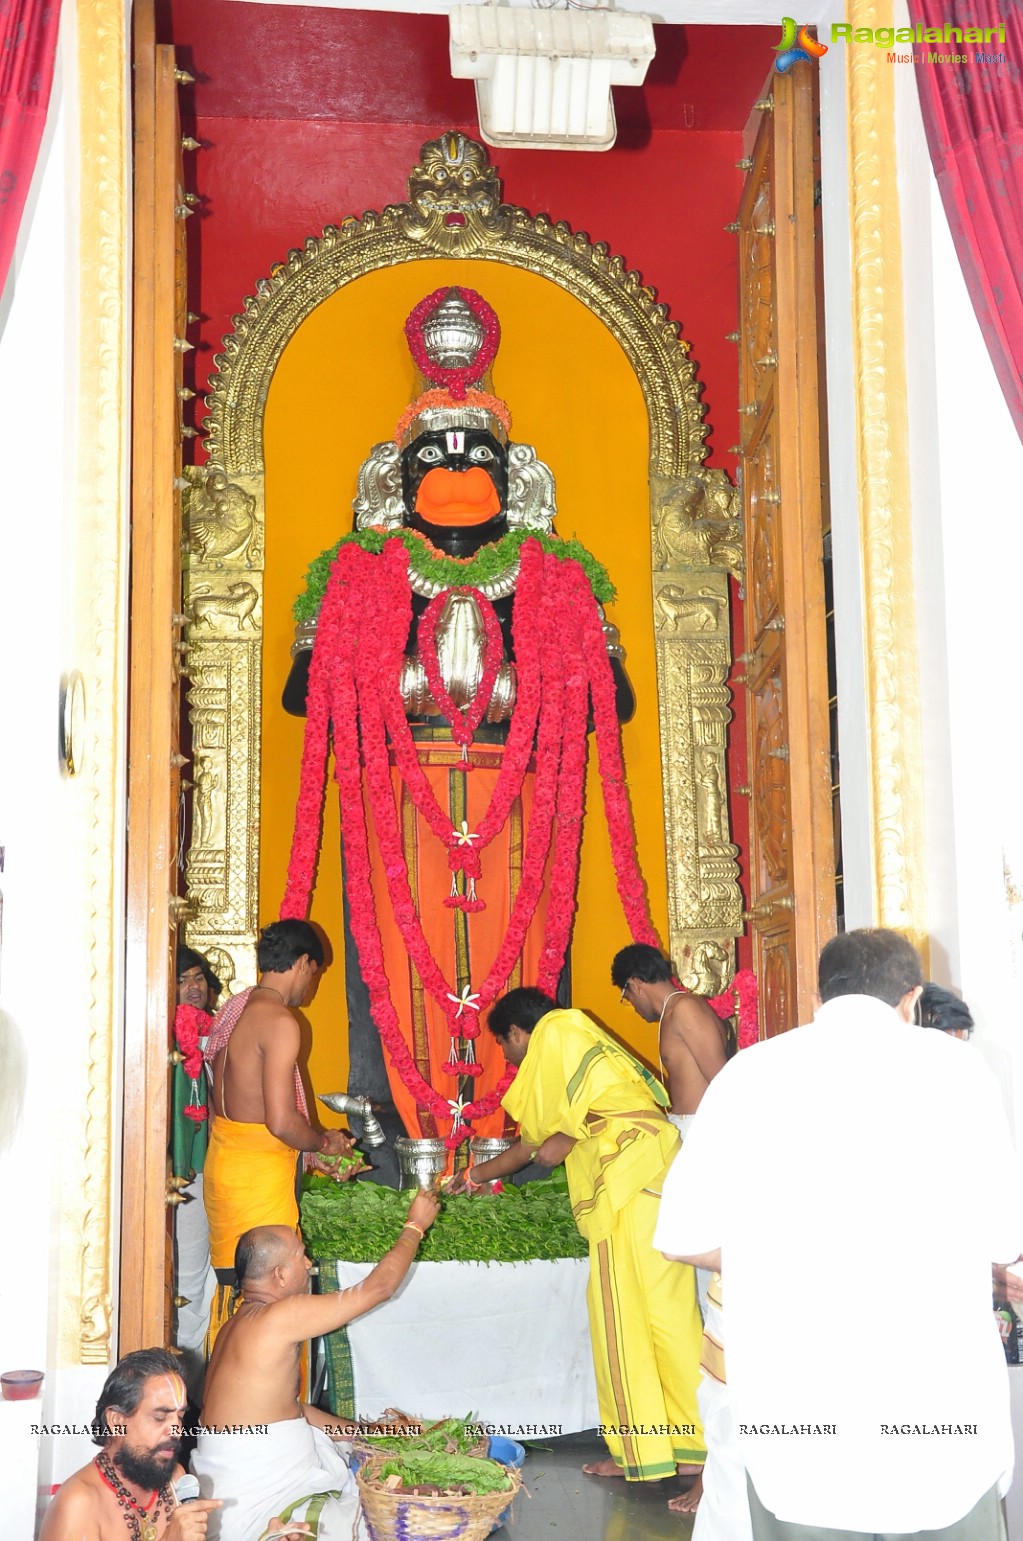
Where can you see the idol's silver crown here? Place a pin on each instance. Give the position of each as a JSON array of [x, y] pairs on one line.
[[452, 335], [440, 419]]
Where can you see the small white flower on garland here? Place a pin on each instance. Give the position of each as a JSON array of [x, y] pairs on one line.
[[458, 1107], [465, 1000], [463, 838]]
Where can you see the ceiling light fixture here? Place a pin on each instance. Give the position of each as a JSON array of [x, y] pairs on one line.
[[543, 78]]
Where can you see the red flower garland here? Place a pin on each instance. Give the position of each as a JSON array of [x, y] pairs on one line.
[[744, 987], [385, 815], [631, 888], [456, 380], [562, 667], [191, 1024], [518, 749]]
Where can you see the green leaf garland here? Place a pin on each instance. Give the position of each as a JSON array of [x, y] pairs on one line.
[[489, 562]]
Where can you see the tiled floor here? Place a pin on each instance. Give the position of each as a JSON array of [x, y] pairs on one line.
[[564, 1505]]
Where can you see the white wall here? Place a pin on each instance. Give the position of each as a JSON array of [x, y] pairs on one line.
[[967, 478], [967, 475], [45, 884], [857, 855]]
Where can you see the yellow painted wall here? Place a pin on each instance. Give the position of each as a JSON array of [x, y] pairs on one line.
[[340, 387]]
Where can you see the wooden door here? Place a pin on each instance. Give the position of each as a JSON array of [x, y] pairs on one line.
[[792, 859], [160, 322]]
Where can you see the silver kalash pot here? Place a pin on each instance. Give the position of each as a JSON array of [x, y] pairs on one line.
[[482, 1150], [421, 1163]]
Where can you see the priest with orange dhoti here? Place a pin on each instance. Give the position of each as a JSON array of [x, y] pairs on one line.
[[260, 1124]]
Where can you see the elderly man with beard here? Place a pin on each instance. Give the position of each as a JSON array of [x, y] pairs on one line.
[[127, 1491]]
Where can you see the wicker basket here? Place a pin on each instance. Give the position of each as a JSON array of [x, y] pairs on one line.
[[395, 1516]]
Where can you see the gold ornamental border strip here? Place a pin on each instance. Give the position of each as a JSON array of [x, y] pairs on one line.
[[882, 452], [103, 244]]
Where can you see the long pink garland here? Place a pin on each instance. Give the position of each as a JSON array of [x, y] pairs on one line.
[[562, 667]]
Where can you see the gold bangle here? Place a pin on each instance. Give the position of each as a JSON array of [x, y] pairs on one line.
[[410, 1225]]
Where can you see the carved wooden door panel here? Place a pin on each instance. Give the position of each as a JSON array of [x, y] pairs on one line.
[[792, 864], [153, 777]]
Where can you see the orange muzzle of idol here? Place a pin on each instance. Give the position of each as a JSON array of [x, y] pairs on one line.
[[457, 498]]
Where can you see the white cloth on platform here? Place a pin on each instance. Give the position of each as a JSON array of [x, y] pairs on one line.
[[258, 1474], [402, 1354], [865, 1163]]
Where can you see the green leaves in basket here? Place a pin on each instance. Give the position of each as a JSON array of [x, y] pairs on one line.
[[473, 1473], [357, 1222], [448, 1437]]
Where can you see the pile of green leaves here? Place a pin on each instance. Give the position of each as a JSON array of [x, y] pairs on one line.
[[357, 1222], [448, 1437], [470, 1474]]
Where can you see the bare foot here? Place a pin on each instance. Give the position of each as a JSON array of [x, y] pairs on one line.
[[606, 1468], [685, 1503]]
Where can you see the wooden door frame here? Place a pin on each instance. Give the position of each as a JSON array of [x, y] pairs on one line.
[[152, 771], [794, 916]]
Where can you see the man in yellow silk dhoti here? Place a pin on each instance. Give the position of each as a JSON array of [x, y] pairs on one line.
[[581, 1098], [260, 1121]]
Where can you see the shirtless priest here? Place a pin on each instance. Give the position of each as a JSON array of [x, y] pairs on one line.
[[259, 1449], [260, 1121], [691, 1037]]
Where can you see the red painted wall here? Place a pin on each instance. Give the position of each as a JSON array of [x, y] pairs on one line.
[[661, 198]]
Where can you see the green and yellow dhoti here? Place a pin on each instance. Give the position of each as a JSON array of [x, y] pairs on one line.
[[644, 1319]]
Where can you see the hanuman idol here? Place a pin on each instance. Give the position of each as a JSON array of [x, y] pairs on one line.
[[453, 653]]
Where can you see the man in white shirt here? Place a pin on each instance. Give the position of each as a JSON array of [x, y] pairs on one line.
[[850, 1181]]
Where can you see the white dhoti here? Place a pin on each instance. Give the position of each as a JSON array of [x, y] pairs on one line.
[[723, 1514], [257, 1475], [195, 1279], [682, 1121]]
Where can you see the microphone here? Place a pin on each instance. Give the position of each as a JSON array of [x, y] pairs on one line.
[[186, 1489]]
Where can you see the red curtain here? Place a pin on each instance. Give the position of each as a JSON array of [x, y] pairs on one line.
[[973, 114], [28, 46]]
